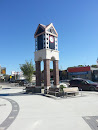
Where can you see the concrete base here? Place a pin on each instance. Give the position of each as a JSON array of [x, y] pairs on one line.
[[33, 89], [56, 86], [38, 87], [47, 87], [37, 90]]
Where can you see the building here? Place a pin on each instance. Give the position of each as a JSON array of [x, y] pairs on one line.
[[94, 74], [86, 72], [79, 72], [63, 75], [2, 71], [19, 75]]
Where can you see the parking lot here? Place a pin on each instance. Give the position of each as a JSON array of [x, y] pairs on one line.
[[37, 112]]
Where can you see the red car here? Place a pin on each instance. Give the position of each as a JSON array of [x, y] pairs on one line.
[[83, 84]]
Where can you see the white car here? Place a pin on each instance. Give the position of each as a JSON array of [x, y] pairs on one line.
[[64, 84]]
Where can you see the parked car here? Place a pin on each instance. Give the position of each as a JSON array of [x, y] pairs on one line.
[[83, 84], [64, 84], [31, 84], [12, 81], [22, 82]]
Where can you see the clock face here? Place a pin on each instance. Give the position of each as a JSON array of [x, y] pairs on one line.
[[51, 38]]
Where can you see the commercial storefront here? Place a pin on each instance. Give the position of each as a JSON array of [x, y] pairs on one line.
[[80, 72], [94, 74], [2, 73], [2, 70]]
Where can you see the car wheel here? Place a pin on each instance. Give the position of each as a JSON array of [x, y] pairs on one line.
[[92, 89]]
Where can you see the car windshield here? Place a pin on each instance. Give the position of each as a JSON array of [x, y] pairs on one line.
[[89, 81]]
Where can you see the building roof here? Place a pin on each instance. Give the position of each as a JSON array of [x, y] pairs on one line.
[[79, 69], [41, 29]]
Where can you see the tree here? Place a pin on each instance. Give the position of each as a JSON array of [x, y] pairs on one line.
[[28, 70], [63, 74], [94, 66], [51, 70], [78, 66], [81, 66], [6, 77]]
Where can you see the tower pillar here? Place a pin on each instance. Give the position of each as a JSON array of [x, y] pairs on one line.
[[46, 72], [55, 73], [38, 73]]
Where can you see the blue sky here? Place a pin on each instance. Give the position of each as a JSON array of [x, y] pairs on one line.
[[76, 22]]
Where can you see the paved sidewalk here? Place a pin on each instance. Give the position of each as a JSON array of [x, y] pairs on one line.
[[11, 117], [38, 112], [5, 109]]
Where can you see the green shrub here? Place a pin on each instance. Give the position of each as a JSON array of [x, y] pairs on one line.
[[61, 87]]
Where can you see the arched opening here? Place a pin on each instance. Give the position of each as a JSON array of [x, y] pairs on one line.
[[42, 73], [47, 73], [42, 70], [52, 58], [51, 74]]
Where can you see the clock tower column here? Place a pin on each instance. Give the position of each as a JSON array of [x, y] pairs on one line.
[[46, 72], [38, 73], [56, 73]]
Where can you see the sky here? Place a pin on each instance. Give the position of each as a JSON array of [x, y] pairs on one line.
[[76, 22]]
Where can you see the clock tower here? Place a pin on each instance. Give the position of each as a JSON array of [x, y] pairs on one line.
[[46, 50]]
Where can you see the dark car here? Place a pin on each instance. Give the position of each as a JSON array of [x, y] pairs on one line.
[[83, 84], [22, 82], [12, 81]]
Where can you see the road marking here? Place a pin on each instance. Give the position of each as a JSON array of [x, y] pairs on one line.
[[11, 117], [92, 121], [2, 128], [10, 100], [15, 105], [15, 110], [88, 118], [97, 120], [13, 102]]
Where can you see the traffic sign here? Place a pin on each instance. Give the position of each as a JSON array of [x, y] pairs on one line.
[[10, 77]]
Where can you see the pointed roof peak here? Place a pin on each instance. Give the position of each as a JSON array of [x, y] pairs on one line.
[[41, 29], [45, 26], [42, 25], [49, 24]]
